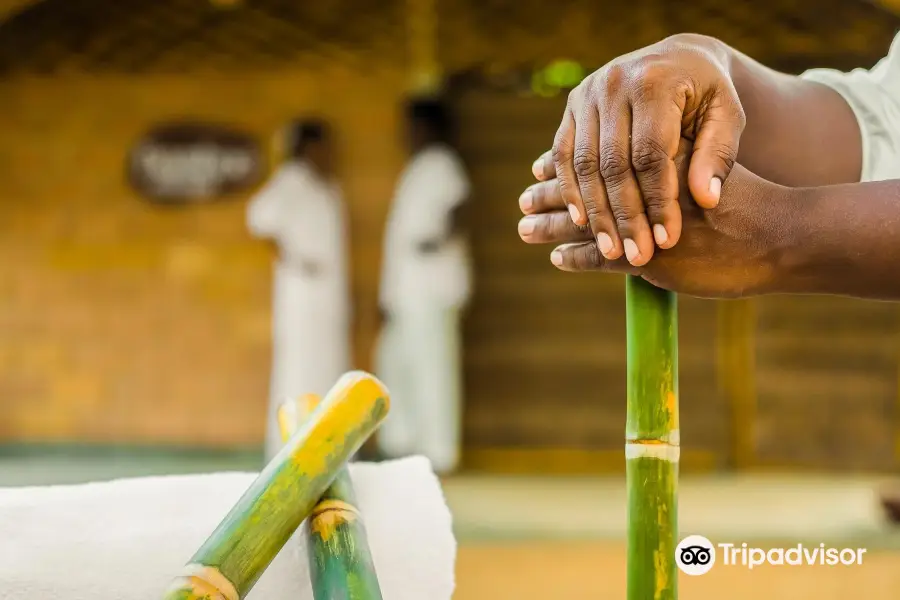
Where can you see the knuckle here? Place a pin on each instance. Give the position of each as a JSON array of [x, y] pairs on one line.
[[648, 155], [655, 200], [614, 78], [557, 226], [655, 196], [596, 211], [645, 88], [538, 195], [586, 256], [723, 152], [561, 150], [625, 221], [649, 72], [627, 215], [586, 161], [614, 163], [568, 189]]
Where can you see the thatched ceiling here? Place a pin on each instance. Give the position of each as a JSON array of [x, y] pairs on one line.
[[138, 36], [184, 35]]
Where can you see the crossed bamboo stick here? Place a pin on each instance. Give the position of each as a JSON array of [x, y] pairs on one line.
[[308, 480]]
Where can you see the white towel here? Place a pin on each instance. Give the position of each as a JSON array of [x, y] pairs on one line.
[[127, 539]]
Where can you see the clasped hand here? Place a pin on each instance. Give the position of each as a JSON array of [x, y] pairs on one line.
[[732, 250], [642, 178]]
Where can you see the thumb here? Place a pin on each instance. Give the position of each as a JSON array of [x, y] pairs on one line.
[[715, 149]]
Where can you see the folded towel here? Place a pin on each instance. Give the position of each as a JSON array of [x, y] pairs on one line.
[[127, 539]]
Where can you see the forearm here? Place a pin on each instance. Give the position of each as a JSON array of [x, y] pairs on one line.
[[843, 240], [798, 132]]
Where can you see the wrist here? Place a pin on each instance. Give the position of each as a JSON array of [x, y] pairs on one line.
[[796, 257]]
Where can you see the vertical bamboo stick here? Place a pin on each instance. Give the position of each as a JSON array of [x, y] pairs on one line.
[[234, 557], [340, 563], [651, 440]]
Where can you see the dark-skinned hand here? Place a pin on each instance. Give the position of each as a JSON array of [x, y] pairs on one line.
[[614, 152], [729, 251]]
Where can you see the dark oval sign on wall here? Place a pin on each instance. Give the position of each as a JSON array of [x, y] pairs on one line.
[[184, 163]]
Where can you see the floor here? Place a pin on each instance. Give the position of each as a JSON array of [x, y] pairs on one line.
[[747, 507]]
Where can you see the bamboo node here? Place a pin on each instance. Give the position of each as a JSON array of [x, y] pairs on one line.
[[672, 438], [329, 514], [209, 580], [334, 505], [658, 450]]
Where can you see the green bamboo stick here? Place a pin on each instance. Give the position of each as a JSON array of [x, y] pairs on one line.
[[340, 563], [234, 557], [652, 441]]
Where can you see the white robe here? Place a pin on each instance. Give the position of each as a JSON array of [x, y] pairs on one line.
[[304, 215], [874, 97], [418, 355]]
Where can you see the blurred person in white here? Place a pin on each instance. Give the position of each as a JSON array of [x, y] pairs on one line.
[[301, 210], [425, 285]]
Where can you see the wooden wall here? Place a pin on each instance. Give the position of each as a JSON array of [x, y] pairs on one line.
[[122, 322], [827, 383], [801, 382]]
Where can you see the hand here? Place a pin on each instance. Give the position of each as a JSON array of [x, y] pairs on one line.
[[615, 149], [735, 249]]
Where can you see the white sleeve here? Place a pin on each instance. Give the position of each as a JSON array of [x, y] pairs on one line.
[[874, 97], [264, 212]]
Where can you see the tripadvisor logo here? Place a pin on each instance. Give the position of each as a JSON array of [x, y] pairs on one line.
[[696, 555]]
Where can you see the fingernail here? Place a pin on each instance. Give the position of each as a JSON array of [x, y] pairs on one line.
[[526, 225], [526, 200], [715, 187], [573, 212], [556, 258], [604, 243], [537, 169], [660, 234], [631, 250]]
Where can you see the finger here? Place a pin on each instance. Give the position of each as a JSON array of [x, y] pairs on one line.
[[655, 137], [585, 256], [622, 187], [592, 191], [552, 228], [716, 147], [541, 197], [563, 157], [543, 168]]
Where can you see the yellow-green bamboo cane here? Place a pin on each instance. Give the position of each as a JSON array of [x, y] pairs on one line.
[[234, 557], [652, 440], [340, 562]]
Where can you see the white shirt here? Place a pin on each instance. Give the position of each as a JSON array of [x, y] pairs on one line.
[[874, 97], [304, 215], [433, 184]]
